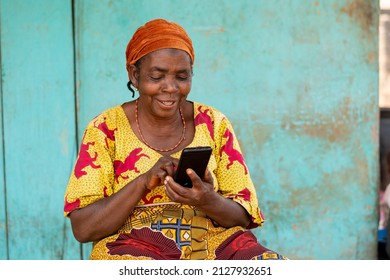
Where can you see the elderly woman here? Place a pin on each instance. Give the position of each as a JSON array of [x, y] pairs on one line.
[[121, 194]]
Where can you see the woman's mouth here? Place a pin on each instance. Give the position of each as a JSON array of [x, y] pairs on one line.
[[167, 103]]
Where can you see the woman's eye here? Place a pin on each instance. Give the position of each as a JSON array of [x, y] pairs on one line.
[[182, 78], [155, 78]]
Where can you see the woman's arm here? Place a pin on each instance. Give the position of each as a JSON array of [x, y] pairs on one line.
[[104, 217]]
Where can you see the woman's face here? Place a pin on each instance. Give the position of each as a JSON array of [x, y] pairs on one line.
[[164, 80]]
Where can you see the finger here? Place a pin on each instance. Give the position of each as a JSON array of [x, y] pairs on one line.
[[168, 165], [177, 191], [175, 161], [194, 177], [170, 189], [169, 168], [208, 178], [160, 174]]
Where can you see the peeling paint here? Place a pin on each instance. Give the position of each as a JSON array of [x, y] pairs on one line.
[[372, 57], [334, 126], [363, 13], [294, 227]]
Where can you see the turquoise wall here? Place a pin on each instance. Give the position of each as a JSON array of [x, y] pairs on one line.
[[297, 78]]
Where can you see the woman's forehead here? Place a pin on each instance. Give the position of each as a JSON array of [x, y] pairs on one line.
[[167, 58]]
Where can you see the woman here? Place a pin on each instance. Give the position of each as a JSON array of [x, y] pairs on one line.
[[121, 195]]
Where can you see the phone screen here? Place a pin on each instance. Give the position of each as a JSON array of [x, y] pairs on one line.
[[195, 158]]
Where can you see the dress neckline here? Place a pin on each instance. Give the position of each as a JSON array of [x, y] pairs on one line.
[[144, 146]]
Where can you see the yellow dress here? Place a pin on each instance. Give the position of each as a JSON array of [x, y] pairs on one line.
[[111, 156]]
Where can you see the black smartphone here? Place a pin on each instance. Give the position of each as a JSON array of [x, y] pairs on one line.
[[195, 158]]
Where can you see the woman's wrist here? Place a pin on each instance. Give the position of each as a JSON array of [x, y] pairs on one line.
[[141, 180], [214, 200]]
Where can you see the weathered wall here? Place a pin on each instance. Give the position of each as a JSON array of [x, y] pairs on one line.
[[298, 79], [38, 128]]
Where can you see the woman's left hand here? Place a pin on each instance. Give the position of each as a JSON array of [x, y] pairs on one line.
[[203, 196], [201, 193]]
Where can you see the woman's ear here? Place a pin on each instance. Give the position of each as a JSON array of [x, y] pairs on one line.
[[132, 72]]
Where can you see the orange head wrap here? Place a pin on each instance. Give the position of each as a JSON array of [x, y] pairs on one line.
[[158, 34]]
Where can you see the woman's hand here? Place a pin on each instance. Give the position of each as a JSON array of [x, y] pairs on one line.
[[201, 193], [165, 166], [224, 211]]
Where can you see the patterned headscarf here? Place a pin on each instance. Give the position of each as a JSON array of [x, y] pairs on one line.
[[158, 34]]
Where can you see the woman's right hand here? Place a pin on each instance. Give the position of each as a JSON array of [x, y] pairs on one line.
[[165, 166], [106, 216]]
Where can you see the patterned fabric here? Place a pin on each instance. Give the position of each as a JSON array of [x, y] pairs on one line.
[[111, 156]]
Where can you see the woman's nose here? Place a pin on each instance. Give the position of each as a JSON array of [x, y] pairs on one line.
[[170, 85]]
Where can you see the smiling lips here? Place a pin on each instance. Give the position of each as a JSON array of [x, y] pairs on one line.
[[167, 102]]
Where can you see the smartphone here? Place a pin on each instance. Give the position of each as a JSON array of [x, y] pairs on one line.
[[195, 158]]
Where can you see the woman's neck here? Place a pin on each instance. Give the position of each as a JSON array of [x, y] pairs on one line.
[[160, 134]]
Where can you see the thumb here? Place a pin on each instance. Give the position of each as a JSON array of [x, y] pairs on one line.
[[208, 178], [194, 177]]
